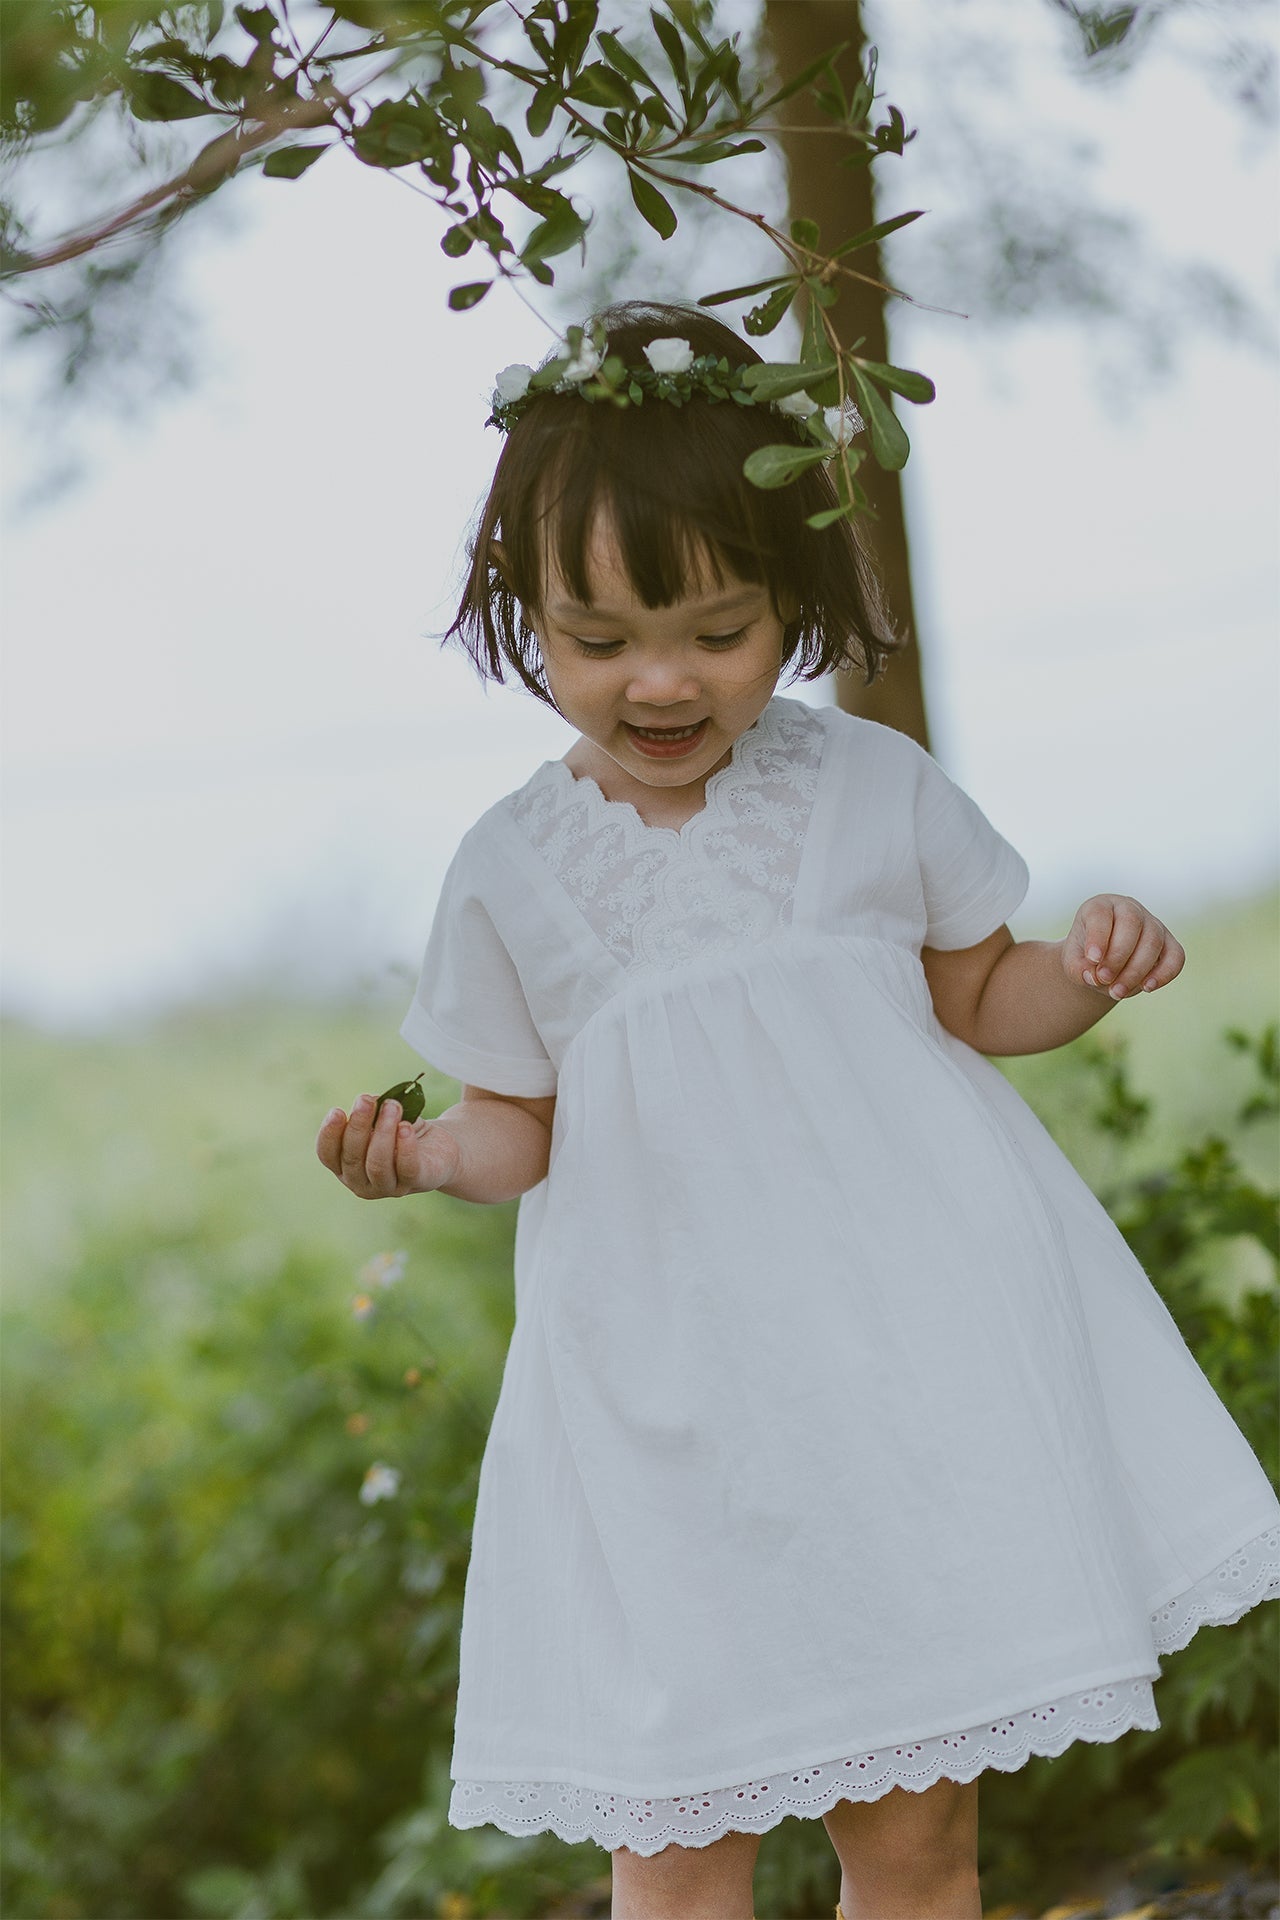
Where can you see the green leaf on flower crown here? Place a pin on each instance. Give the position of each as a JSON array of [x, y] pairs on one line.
[[912, 386], [829, 516], [774, 380], [889, 440], [778, 466], [650, 203]]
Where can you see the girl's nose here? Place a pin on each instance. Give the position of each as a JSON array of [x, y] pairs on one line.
[[659, 686]]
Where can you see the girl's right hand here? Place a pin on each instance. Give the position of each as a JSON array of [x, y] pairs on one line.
[[392, 1158]]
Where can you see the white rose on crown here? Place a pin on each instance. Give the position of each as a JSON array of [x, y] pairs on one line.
[[584, 363], [799, 405], [512, 384], [670, 355]]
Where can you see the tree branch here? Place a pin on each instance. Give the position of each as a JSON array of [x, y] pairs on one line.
[[214, 162]]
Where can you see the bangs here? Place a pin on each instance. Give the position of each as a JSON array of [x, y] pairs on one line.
[[666, 484], [675, 520]]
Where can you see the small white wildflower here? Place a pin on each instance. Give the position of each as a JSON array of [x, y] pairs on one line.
[[384, 1269], [842, 423], [512, 384], [380, 1483], [361, 1307], [670, 355], [584, 363], [798, 405]]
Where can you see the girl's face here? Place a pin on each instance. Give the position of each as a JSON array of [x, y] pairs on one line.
[[614, 667]]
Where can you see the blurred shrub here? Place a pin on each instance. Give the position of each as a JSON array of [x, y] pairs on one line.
[[229, 1677]]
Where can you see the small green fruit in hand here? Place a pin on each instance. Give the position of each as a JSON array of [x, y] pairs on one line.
[[410, 1095]]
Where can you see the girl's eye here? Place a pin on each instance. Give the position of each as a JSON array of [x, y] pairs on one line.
[[604, 648]]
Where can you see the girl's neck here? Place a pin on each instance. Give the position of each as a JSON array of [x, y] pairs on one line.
[[657, 806]]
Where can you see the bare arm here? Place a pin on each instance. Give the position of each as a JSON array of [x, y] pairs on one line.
[[489, 1147], [504, 1144], [1007, 996]]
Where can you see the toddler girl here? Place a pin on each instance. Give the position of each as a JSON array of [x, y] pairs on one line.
[[843, 1448]]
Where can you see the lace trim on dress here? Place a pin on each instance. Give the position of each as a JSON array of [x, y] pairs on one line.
[[646, 1826], [651, 894]]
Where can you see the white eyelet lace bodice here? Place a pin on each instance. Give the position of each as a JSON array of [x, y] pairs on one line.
[[659, 896]]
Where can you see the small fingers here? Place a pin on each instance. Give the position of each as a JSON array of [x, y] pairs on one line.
[[355, 1143], [380, 1156], [329, 1140]]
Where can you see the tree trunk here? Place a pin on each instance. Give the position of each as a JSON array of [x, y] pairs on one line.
[[841, 200]]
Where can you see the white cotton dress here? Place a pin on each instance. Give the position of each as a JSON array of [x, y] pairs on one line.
[[842, 1442]]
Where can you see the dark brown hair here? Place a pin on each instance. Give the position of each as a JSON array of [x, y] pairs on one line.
[[670, 479]]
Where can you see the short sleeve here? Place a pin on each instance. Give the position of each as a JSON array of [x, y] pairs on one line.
[[972, 878], [469, 1016]]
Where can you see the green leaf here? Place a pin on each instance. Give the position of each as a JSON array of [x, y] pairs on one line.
[[654, 109], [154, 96], [460, 298], [625, 62], [397, 133], [573, 35], [828, 516], [765, 317], [563, 227], [410, 1095], [774, 380], [258, 22], [889, 440], [651, 204], [457, 241], [805, 233], [540, 109], [673, 46], [778, 466], [912, 386], [291, 162], [742, 293], [803, 78], [870, 235], [720, 150], [599, 86]]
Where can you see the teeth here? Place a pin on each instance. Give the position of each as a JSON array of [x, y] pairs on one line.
[[668, 733]]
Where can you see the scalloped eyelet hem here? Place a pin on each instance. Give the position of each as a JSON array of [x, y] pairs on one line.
[[647, 1825]]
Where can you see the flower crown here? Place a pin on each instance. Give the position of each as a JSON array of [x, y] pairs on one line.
[[674, 374]]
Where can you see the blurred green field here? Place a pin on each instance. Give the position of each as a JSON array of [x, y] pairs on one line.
[[215, 1108], [229, 1680]]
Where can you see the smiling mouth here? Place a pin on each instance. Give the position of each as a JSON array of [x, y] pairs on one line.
[[667, 733]]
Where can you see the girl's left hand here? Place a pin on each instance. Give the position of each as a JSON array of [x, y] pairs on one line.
[[1117, 947]]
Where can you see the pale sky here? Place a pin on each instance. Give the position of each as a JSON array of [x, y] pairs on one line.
[[231, 740]]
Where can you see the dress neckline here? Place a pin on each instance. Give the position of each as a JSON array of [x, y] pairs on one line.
[[628, 815]]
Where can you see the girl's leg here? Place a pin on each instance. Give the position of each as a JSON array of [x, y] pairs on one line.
[[687, 1883], [909, 1856]]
